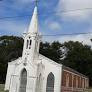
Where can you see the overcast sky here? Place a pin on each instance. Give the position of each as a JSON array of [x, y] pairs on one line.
[[51, 19]]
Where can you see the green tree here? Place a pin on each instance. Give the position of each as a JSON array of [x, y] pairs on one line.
[[91, 40], [51, 51], [10, 49], [77, 55]]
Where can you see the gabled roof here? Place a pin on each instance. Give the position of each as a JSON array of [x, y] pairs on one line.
[[63, 66], [74, 71], [19, 61], [15, 61], [48, 59]]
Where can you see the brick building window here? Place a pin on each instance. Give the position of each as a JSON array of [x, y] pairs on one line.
[[79, 82], [70, 80], [64, 78], [87, 83], [83, 83], [74, 81], [67, 80]]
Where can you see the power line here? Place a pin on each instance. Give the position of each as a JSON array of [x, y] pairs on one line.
[[52, 13], [86, 33], [69, 34], [13, 17], [73, 10]]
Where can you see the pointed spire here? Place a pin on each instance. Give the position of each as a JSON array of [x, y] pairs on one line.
[[33, 27]]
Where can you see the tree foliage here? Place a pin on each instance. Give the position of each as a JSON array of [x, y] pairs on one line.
[[10, 49], [76, 55], [91, 39], [79, 58]]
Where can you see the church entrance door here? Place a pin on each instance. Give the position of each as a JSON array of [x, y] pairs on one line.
[[23, 81]]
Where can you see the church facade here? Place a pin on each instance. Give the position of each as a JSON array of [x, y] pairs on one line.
[[34, 72]]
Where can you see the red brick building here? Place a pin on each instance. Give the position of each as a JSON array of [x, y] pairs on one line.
[[73, 81]]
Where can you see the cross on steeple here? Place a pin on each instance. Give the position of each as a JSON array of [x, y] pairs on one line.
[[36, 2]]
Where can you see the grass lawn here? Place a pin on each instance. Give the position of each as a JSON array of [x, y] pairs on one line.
[[1, 87]]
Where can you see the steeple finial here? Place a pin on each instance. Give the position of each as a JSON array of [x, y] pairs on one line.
[[36, 2]]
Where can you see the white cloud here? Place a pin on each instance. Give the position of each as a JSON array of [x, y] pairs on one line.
[[67, 5], [23, 3], [12, 27], [85, 39], [53, 25]]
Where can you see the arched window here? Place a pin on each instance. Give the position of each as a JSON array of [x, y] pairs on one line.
[[50, 83], [30, 44], [27, 44], [23, 81]]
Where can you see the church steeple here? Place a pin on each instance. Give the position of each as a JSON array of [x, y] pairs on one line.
[[33, 27], [32, 38]]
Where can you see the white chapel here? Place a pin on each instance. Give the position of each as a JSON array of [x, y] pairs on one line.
[[34, 72], [30, 72]]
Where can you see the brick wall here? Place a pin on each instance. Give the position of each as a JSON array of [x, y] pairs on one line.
[[72, 82]]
